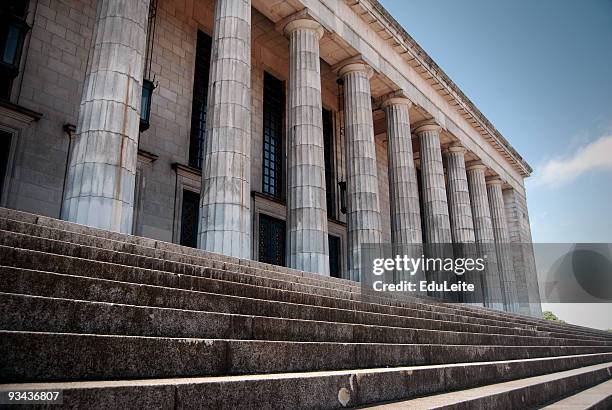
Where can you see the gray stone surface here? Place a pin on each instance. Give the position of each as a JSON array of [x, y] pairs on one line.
[[502, 244], [42, 356], [45, 314], [403, 188], [102, 169], [106, 283], [483, 230], [320, 390], [460, 213], [252, 272], [78, 303], [306, 201], [363, 208], [460, 210], [226, 268], [526, 393], [435, 205], [598, 397], [436, 221], [523, 253], [225, 211]]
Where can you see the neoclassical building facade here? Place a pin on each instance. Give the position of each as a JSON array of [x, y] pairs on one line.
[[286, 131]]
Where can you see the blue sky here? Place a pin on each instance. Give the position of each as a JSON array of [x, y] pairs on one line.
[[541, 71]]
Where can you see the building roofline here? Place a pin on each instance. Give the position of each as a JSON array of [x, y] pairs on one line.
[[418, 52]]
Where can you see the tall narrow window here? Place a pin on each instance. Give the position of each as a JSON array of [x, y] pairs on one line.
[[190, 212], [200, 98], [5, 149], [271, 240], [335, 254], [328, 149], [13, 29], [273, 107]]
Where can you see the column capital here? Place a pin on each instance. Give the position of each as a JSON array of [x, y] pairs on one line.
[[455, 147], [395, 101], [476, 165], [427, 125], [304, 23], [303, 19], [394, 98], [494, 180], [351, 65]]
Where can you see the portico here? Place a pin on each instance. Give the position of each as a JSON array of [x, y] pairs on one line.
[[323, 127]]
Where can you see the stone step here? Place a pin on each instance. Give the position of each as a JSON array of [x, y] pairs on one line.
[[156, 259], [43, 314], [52, 228], [312, 390], [598, 397], [30, 282], [43, 356], [524, 393], [197, 279]]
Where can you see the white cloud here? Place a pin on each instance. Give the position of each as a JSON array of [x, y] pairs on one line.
[[594, 156]]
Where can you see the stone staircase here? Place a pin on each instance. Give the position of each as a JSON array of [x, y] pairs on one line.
[[118, 321]]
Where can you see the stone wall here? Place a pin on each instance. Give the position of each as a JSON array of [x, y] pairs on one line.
[[51, 82]]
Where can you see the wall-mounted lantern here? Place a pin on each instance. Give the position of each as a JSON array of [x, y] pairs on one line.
[[342, 185], [145, 104], [148, 83]]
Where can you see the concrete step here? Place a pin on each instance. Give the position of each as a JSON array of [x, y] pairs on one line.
[[30, 282], [43, 314], [525, 393], [50, 228], [197, 278], [42, 356], [131, 245], [598, 397], [312, 390]]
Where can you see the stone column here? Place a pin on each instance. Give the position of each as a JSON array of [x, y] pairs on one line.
[[306, 200], [483, 232], [102, 170], [435, 206], [404, 192], [406, 235], [363, 209], [527, 284], [225, 225], [460, 211], [502, 242], [437, 233]]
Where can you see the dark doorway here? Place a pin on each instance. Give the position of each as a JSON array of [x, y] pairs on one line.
[[190, 215], [271, 240], [335, 256]]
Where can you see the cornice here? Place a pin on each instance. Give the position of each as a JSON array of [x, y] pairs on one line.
[[405, 44]]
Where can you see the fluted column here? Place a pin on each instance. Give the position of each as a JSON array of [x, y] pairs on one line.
[[363, 209], [102, 170], [502, 242], [436, 222], [460, 212], [483, 232], [306, 200], [435, 206], [225, 225], [404, 192]]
